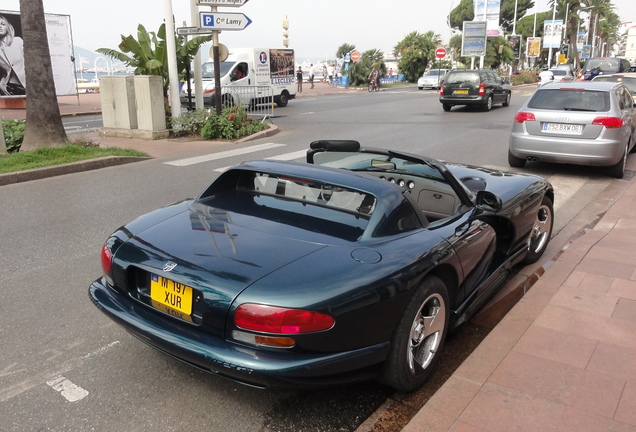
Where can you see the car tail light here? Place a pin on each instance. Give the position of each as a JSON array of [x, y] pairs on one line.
[[107, 260], [273, 319], [482, 89], [609, 122], [441, 90], [524, 117]]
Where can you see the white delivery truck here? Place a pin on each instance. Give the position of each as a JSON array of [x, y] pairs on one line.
[[249, 76]]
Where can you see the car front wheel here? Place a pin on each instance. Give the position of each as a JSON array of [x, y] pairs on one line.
[[419, 337], [540, 232], [507, 102]]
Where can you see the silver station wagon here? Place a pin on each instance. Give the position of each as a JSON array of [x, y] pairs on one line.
[[582, 123]]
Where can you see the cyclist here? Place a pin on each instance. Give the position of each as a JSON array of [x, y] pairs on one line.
[[373, 78]]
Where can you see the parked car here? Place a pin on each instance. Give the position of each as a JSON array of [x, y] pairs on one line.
[[482, 88], [629, 79], [352, 266], [432, 79], [562, 75], [603, 65], [583, 123]]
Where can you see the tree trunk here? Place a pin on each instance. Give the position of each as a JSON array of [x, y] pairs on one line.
[[44, 126]]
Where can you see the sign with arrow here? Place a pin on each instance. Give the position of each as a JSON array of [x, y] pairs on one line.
[[231, 3], [223, 21]]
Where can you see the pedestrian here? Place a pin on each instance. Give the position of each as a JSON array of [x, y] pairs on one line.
[[546, 76], [312, 73], [299, 79], [330, 71], [12, 75]]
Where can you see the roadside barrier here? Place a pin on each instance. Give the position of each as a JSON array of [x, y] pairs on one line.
[[258, 100]]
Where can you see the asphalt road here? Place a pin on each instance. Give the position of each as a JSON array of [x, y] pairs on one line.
[[65, 366]]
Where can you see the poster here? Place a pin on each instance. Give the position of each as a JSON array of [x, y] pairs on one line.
[[490, 15], [552, 33], [12, 77], [515, 44], [474, 39], [533, 47]]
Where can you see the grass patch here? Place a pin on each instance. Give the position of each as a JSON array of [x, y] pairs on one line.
[[44, 157]]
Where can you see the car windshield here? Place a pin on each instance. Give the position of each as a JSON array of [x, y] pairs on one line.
[[629, 82], [376, 162], [603, 64], [570, 100], [462, 77], [208, 69], [559, 72], [434, 72]]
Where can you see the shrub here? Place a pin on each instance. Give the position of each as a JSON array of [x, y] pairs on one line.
[[13, 134], [233, 123], [190, 123], [525, 77]]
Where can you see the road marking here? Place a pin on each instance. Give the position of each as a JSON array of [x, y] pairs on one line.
[[70, 391], [222, 155], [287, 156], [36, 379]]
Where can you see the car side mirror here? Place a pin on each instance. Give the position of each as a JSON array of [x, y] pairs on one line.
[[488, 201]]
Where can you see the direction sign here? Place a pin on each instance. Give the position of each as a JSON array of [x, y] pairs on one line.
[[192, 31], [231, 3], [440, 52], [223, 21]]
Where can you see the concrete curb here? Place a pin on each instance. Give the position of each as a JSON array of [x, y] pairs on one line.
[[74, 167]]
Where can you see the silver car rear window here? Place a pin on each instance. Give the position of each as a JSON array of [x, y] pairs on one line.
[[570, 100]]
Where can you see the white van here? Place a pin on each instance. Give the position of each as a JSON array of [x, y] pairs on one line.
[[248, 74]]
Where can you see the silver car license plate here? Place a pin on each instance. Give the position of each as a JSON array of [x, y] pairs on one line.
[[562, 128]]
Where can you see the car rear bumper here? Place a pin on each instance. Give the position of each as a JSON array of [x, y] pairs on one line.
[[241, 363], [465, 100], [596, 152]]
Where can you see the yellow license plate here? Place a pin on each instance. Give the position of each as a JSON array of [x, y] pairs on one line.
[[460, 92], [169, 293]]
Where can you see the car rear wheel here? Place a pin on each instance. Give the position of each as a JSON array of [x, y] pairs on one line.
[[515, 162], [419, 337], [507, 102], [618, 170], [447, 107], [541, 231], [283, 99], [488, 105]]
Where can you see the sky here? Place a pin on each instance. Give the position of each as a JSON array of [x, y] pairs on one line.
[[316, 27]]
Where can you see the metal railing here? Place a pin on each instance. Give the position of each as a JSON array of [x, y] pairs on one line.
[[258, 100]]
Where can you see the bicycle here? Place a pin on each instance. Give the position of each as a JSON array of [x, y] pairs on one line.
[[373, 86]]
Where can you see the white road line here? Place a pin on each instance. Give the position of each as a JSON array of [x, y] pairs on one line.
[[287, 156], [221, 155], [70, 391]]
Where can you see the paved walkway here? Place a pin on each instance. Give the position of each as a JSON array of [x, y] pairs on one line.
[[564, 358]]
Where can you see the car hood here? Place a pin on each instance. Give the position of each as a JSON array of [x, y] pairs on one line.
[[506, 185]]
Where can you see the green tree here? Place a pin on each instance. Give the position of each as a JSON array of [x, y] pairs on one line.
[[44, 126], [148, 53], [359, 71], [498, 53], [415, 51], [344, 49]]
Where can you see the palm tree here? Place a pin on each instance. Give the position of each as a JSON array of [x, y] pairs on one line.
[[344, 49], [415, 51], [44, 126], [148, 53]]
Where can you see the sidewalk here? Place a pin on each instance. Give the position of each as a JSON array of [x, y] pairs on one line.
[[564, 357]]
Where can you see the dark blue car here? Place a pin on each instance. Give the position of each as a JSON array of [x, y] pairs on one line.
[[603, 66], [352, 266]]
